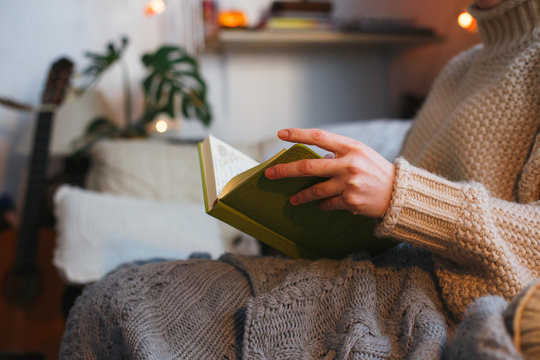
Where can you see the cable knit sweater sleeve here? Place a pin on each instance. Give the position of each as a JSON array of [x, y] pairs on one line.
[[461, 221], [481, 245]]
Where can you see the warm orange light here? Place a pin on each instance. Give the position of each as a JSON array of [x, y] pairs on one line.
[[232, 19], [467, 22], [154, 7]]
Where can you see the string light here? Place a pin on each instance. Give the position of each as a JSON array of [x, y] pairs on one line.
[[161, 126], [467, 22], [154, 7]]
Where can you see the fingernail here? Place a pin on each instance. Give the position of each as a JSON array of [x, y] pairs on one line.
[[283, 133], [293, 200], [269, 173]]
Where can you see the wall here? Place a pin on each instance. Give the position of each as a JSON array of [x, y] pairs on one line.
[[270, 88], [35, 32], [413, 70]]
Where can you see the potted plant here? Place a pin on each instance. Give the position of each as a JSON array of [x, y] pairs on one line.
[[172, 85]]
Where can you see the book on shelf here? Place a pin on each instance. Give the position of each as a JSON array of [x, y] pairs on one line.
[[298, 16], [291, 23], [237, 192], [316, 7], [383, 26]]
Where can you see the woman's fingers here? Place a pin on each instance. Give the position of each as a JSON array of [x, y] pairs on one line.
[[359, 179], [302, 168], [322, 190], [325, 140]]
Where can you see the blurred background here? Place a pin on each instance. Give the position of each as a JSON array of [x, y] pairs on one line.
[[254, 89], [248, 68]]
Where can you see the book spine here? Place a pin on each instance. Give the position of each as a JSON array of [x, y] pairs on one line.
[[203, 180]]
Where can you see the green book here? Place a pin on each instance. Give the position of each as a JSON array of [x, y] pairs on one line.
[[237, 192]]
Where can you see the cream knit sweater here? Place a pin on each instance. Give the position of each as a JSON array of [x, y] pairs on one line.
[[468, 185]]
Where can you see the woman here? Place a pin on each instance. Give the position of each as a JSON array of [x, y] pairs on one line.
[[463, 199]]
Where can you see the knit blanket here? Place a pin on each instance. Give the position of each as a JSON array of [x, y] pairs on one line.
[[268, 308]]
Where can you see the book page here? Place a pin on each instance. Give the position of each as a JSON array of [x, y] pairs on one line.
[[243, 176], [228, 162]]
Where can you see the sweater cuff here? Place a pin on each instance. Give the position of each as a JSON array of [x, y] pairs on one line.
[[424, 209]]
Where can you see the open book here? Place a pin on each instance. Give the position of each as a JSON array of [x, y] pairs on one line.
[[237, 192]]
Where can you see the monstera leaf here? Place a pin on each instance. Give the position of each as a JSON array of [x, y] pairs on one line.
[[174, 84], [99, 63]]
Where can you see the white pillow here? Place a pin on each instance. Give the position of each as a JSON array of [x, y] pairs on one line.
[[146, 169], [158, 170], [383, 135], [150, 169], [98, 232]]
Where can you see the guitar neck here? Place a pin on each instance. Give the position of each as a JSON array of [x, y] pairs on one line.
[[53, 94], [26, 251], [22, 284]]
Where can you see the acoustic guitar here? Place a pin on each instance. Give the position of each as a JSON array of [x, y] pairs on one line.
[[25, 309]]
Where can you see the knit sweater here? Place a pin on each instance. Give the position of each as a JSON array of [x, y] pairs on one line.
[[468, 184], [465, 205]]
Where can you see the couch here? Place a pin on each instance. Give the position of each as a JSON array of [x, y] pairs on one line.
[[143, 201]]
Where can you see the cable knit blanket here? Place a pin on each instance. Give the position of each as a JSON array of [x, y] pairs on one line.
[[266, 308]]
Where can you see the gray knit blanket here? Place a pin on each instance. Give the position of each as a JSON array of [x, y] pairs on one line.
[[387, 307]]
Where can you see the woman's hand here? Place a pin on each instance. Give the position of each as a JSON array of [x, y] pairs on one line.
[[359, 179]]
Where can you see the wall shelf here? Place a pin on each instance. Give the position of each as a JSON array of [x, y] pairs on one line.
[[245, 38]]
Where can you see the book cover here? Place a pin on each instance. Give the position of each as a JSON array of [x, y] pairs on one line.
[[260, 207]]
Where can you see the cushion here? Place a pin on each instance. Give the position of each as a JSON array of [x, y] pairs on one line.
[[159, 170], [146, 169], [150, 168], [385, 136], [98, 232]]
